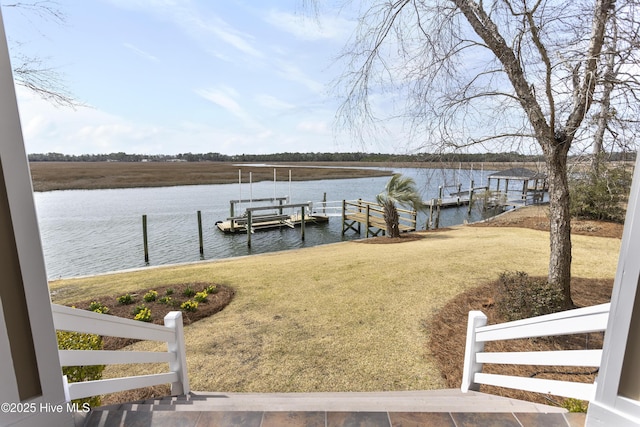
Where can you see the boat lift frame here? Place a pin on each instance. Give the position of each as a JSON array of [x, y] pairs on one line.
[[249, 218]]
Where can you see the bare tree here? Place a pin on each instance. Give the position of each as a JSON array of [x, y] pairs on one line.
[[34, 73], [616, 122], [516, 73]]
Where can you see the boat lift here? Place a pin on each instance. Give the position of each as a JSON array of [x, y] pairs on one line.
[[252, 220]]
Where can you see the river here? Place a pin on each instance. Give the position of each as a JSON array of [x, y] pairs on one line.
[[86, 232]]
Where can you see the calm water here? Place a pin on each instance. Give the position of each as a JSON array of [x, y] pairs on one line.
[[87, 232]]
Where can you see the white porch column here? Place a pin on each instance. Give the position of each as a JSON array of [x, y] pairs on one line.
[[617, 401], [31, 390]]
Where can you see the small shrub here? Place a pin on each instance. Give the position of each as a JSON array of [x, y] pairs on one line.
[[575, 405], [142, 313], [211, 289], [165, 300], [519, 296], [79, 341], [169, 291], [125, 299], [602, 195], [98, 307], [150, 296], [200, 297], [188, 292], [138, 309], [189, 305]]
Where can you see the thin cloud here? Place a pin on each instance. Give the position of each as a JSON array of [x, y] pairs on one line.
[[293, 73], [272, 103], [225, 97], [230, 35], [314, 126], [195, 23], [141, 52], [306, 28]]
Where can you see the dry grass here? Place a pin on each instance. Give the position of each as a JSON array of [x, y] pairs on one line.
[[49, 176], [92, 175], [341, 317]]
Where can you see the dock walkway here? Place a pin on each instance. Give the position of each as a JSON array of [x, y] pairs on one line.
[[371, 215]]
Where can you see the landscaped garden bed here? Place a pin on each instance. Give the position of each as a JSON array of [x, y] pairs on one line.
[[196, 300]]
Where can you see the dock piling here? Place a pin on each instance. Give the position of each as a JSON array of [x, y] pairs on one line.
[[368, 216], [200, 235], [438, 208], [470, 197], [430, 221], [324, 204], [144, 239]]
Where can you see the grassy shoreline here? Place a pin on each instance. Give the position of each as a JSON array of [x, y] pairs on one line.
[[49, 176], [340, 317]]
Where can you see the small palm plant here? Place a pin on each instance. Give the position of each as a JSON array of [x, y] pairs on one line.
[[402, 191]]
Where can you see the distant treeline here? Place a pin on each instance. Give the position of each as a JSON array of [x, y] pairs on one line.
[[304, 157]]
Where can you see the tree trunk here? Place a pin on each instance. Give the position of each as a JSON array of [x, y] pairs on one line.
[[391, 219], [560, 220]]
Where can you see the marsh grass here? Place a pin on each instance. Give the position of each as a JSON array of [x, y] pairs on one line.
[[49, 176], [340, 317]]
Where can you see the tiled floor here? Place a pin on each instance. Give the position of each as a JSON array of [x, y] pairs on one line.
[[430, 408], [167, 418]]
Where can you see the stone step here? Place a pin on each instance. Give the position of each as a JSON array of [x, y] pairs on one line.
[[448, 407], [449, 400], [330, 419]]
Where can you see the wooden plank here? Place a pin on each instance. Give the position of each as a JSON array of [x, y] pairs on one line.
[[269, 199], [285, 221], [259, 218], [375, 221], [286, 206], [372, 216], [447, 202]]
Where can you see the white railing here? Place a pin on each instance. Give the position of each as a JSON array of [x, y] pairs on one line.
[[75, 320], [578, 321]]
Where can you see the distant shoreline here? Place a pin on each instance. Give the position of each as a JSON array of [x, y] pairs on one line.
[[50, 176]]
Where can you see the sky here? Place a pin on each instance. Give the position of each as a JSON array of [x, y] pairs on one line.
[[178, 76]]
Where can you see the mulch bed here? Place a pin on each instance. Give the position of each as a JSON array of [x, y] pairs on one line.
[[448, 334], [215, 302], [583, 227]]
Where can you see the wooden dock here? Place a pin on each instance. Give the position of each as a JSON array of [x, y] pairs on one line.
[[268, 222], [255, 219], [371, 215]]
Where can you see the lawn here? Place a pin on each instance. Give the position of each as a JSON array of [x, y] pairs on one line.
[[349, 316]]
